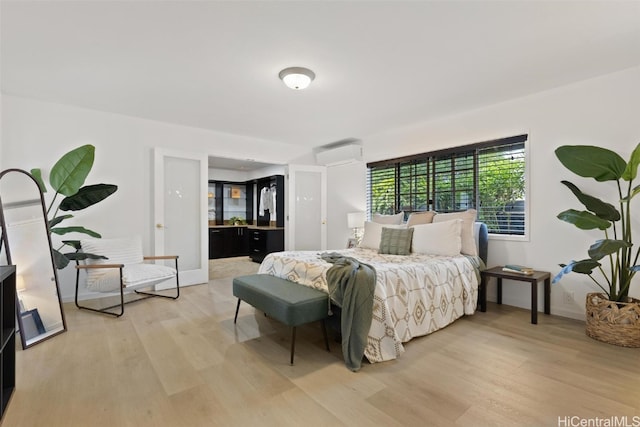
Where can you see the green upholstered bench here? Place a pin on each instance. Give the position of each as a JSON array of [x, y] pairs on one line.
[[290, 303]]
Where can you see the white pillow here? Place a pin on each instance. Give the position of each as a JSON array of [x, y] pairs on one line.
[[373, 234], [417, 218], [443, 238], [468, 218], [389, 219]]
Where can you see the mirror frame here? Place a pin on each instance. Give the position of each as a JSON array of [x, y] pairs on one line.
[[4, 243]]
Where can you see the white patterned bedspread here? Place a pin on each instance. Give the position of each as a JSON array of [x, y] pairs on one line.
[[414, 296]]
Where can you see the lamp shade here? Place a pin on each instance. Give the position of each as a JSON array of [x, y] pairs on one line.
[[297, 77], [355, 219]]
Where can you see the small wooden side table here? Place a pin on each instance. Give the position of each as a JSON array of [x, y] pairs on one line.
[[533, 279]]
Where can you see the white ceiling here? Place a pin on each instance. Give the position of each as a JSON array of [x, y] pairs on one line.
[[379, 65]]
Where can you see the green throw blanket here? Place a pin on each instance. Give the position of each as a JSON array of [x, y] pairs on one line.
[[351, 287]]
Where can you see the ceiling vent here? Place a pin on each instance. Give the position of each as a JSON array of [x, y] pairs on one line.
[[340, 155]]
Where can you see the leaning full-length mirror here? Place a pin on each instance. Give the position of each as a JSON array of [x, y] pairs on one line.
[[26, 243]]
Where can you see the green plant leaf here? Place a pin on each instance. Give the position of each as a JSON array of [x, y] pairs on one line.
[[631, 171], [79, 256], [37, 174], [70, 172], [592, 162], [73, 243], [601, 209], [60, 260], [633, 193], [87, 196], [584, 266], [57, 220], [584, 220], [604, 247], [64, 230]]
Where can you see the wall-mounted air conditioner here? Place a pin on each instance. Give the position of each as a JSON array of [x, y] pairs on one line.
[[340, 155]]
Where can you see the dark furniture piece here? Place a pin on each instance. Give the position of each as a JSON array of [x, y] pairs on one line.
[[285, 301], [264, 241], [532, 279], [252, 190], [225, 242], [216, 242], [275, 182], [219, 199], [8, 337]]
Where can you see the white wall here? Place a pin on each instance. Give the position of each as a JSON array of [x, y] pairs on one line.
[[602, 111], [345, 188], [36, 134], [599, 111]]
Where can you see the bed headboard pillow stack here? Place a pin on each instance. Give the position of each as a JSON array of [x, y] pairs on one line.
[[396, 219], [468, 218], [396, 241], [373, 234], [433, 233], [416, 218], [442, 238]]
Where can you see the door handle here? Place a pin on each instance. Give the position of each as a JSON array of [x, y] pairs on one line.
[[159, 226]]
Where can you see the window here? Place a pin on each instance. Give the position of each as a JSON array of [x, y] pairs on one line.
[[488, 176]]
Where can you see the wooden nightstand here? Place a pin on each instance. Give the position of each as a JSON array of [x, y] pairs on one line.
[[533, 279]]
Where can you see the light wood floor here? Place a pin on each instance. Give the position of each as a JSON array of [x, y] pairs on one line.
[[184, 363]]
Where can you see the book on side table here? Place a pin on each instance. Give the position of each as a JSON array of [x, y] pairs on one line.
[[514, 268]]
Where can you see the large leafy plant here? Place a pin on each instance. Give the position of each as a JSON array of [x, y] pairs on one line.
[[67, 178], [616, 250]]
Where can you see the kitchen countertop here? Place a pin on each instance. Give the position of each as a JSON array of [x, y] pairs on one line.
[[249, 226]]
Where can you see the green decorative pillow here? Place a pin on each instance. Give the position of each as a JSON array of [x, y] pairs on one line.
[[396, 241]]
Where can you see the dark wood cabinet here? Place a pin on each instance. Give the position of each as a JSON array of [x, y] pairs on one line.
[[264, 241], [274, 185], [221, 201], [216, 242], [237, 244], [8, 330], [225, 242]]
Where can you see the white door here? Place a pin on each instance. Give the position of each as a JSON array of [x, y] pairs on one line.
[[307, 207], [180, 212]]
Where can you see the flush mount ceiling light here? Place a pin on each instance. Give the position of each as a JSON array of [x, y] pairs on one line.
[[297, 78]]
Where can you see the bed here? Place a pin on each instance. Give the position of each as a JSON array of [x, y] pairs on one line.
[[415, 294]]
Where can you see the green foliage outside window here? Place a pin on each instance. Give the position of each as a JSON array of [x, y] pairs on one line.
[[501, 186], [490, 179]]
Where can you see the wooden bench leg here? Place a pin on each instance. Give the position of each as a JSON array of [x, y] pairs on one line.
[[237, 308], [293, 342]]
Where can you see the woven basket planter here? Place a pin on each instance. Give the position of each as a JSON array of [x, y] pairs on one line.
[[613, 322]]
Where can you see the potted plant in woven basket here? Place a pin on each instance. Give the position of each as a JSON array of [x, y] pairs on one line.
[[612, 316]]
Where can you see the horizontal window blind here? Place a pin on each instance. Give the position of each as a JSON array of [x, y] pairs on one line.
[[501, 188], [488, 176], [381, 191]]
